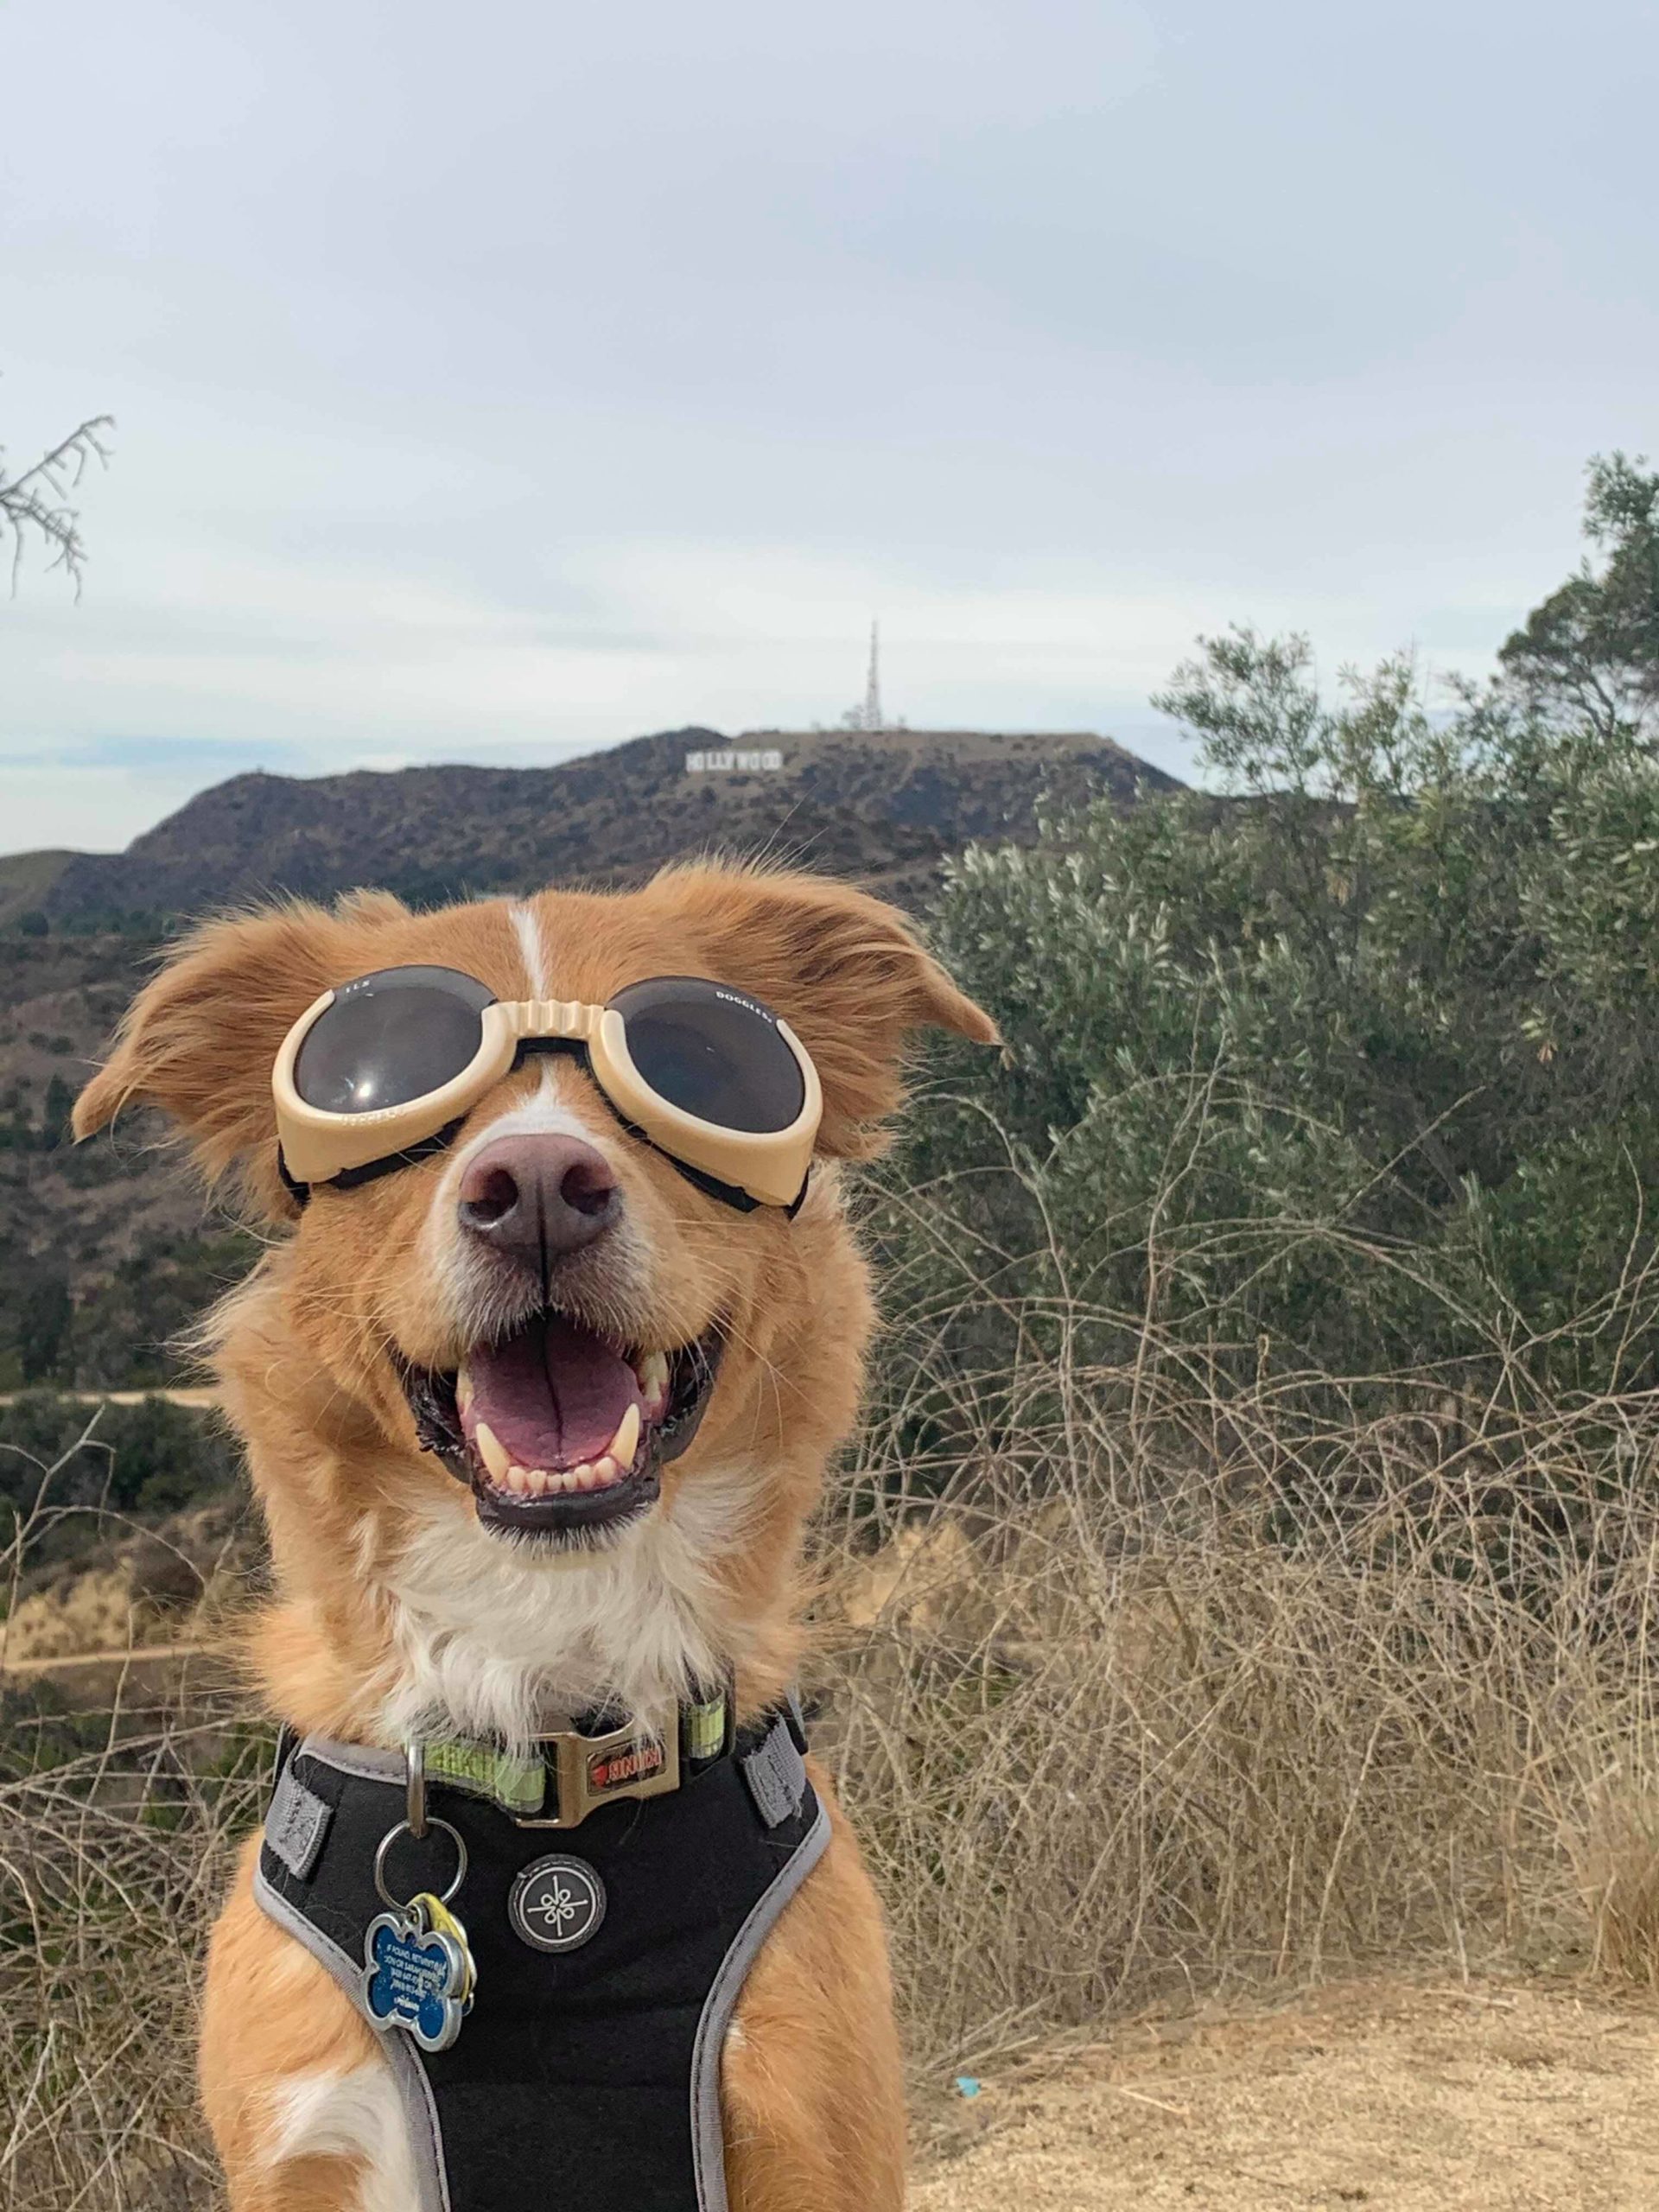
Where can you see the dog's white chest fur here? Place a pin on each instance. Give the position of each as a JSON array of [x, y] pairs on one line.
[[494, 1638]]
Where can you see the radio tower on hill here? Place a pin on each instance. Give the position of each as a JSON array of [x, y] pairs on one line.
[[874, 718], [869, 715]]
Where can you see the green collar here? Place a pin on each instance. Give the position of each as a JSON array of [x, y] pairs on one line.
[[562, 1776]]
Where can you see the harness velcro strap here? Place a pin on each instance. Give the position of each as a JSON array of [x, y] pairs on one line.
[[297, 1824], [776, 1775]]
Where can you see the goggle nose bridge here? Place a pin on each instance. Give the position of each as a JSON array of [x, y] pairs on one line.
[[564, 1020]]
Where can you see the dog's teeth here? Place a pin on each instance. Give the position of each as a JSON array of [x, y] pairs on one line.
[[652, 1372], [625, 1442], [581, 1476], [607, 1471], [534, 1479], [492, 1452], [463, 1391]]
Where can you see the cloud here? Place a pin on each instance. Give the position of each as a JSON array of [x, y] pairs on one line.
[[138, 754]]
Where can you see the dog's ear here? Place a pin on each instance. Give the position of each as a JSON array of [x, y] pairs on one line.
[[845, 970], [199, 1039]]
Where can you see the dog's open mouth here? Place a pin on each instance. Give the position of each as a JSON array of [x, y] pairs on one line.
[[561, 1430]]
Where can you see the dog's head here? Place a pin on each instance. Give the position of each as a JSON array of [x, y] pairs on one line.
[[543, 1323]]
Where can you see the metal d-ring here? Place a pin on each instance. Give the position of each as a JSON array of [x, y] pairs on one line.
[[415, 1788], [400, 1904]]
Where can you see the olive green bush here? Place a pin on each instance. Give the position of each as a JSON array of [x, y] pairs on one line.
[[1354, 1069]]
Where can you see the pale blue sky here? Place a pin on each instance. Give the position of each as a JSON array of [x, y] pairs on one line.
[[497, 382]]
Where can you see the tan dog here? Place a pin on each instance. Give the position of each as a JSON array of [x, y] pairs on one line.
[[400, 1611]]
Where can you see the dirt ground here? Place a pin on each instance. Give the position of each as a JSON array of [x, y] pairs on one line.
[[1396, 2097]]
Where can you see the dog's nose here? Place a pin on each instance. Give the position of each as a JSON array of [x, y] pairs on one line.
[[536, 1199]]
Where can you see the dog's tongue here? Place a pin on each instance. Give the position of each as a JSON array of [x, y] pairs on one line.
[[553, 1393]]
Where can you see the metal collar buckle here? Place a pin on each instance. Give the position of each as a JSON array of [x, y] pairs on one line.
[[591, 1770]]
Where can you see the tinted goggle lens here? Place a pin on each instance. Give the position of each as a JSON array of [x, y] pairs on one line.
[[713, 1053], [390, 1038], [404, 1033]]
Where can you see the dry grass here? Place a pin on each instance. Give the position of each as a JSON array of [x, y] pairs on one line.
[[117, 1820], [1158, 1694], [111, 1862], [1172, 1691]]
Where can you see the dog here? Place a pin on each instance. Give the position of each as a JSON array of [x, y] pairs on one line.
[[563, 1246]]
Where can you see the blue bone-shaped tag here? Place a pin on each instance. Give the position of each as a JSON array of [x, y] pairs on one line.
[[414, 1978]]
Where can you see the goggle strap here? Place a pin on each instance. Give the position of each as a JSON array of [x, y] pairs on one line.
[[351, 1178], [711, 1185], [300, 1193]]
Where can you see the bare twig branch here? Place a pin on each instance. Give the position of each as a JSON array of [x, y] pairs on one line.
[[38, 502]]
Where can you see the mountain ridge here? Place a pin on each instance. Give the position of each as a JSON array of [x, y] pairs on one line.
[[885, 807]]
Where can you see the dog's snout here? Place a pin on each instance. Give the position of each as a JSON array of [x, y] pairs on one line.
[[535, 1198]]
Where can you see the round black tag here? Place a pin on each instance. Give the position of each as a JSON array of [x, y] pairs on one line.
[[557, 1903]]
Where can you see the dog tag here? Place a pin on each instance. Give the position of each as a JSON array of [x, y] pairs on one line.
[[417, 1976], [439, 1917]]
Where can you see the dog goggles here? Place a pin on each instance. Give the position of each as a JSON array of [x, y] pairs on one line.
[[384, 1071]]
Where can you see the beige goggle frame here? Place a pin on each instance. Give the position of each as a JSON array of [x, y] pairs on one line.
[[769, 1167]]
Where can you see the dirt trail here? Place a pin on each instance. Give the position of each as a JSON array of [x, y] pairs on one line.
[[1412, 2099], [198, 1398]]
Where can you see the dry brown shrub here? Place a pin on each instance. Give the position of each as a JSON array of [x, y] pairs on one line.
[[1370, 1687], [1617, 1860], [119, 1811], [98, 1611]]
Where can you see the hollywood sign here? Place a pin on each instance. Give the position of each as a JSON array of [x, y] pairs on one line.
[[745, 764]]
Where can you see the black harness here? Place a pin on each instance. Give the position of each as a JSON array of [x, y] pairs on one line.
[[611, 1933]]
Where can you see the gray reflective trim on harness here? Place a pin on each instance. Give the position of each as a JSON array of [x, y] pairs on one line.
[[407, 2071], [776, 1778], [708, 2137], [363, 1760]]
